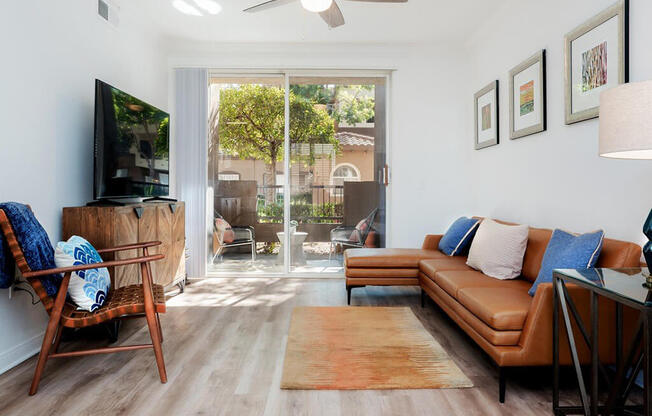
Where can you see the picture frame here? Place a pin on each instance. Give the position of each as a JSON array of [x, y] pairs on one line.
[[596, 57], [527, 97], [486, 106]]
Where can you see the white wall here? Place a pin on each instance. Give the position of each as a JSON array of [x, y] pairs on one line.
[[426, 116], [555, 178], [52, 53]]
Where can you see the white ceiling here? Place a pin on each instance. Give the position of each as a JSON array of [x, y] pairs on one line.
[[415, 21]]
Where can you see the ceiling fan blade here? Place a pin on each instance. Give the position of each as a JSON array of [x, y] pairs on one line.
[[333, 16], [269, 4], [383, 1]]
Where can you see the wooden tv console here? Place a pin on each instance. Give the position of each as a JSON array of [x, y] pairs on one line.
[[110, 226]]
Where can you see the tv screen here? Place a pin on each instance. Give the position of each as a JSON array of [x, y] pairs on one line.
[[132, 146]]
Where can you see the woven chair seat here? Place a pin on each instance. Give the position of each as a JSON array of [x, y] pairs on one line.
[[127, 300]]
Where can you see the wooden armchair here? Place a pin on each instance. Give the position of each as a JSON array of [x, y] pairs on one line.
[[141, 300]]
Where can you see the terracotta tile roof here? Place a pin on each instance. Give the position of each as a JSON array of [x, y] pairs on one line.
[[354, 139]]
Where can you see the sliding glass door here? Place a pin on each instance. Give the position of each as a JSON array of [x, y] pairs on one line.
[[336, 162], [297, 165], [246, 146]]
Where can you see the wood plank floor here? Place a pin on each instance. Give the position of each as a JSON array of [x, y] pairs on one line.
[[224, 346]]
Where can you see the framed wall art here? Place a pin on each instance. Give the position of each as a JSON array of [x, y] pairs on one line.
[[527, 97], [596, 58], [486, 116]]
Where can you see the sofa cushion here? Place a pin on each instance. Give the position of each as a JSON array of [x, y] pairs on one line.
[[431, 266], [502, 308], [459, 313], [498, 250], [391, 258], [381, 273], [458, 237], [454, 280]]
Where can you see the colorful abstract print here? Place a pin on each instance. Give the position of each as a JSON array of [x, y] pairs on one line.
[[527, 98], [486, 117], [594, 67]]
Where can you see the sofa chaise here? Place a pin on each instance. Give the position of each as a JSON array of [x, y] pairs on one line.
[[512, 327]]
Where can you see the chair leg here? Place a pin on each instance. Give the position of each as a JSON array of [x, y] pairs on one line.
[[50, 333], [160, 328], [330, 252], [150, 316], [348, 295], [156, 342], [502, 384], [253, 251], [57, 339]]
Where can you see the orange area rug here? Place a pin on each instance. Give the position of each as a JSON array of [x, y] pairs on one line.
[[364, 348]]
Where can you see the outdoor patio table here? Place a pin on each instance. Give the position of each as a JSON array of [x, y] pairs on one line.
[[297, 255]]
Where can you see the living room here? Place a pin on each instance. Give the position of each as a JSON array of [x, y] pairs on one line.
[[293, 282]]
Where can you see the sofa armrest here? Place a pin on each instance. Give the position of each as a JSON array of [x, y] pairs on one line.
[[537, 335], [431, 242]]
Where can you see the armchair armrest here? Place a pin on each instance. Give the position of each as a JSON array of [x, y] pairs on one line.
[[130, 247], [343, 232], [244, 233], [431, 242], [135, 260]]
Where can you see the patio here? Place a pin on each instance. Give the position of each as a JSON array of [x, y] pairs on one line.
[[266, 263]]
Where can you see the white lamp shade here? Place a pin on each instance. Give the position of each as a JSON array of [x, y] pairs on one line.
[[626, 121], [316, 5]]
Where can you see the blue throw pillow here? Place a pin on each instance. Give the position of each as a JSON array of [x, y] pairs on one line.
[[87, 288], [568, 251], [458, 237]]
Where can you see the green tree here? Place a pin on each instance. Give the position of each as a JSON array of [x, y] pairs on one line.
[[251, 124], [130, 112], [352, 104]]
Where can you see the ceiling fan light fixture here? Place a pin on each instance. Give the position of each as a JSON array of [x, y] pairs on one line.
[[316, 5]]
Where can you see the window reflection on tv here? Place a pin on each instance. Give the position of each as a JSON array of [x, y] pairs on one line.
[[132, 146]]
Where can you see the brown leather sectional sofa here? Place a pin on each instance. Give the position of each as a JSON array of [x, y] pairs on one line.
[[512, 327]]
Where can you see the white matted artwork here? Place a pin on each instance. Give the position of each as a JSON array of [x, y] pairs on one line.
[[527, 101], [486, 116], [596, 60]]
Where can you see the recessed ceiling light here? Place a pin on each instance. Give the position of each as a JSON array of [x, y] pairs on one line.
[[209, 6], [186, 8]]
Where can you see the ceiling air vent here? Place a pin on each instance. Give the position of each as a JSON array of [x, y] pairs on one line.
[[108, 12]]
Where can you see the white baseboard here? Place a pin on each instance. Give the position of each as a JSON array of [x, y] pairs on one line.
[[11, 358]]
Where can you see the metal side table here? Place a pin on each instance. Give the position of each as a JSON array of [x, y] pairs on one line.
[[625, 287]]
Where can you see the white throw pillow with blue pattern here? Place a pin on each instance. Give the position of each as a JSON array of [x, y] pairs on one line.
[[87, 288]]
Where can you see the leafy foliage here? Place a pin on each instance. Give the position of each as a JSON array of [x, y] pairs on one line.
[[252, 123], [302, 211], [352, 104]]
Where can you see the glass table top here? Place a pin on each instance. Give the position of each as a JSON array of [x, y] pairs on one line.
[[626, 283]]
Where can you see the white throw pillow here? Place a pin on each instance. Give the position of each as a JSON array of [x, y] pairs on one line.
[[87, 288], [497, 249]]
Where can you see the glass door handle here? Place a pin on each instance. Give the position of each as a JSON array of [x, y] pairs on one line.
[[386, 175]]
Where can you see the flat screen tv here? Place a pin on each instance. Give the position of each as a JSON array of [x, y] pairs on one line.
[[132, 146]]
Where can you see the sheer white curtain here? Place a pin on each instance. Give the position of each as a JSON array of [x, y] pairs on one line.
[[191, 144]]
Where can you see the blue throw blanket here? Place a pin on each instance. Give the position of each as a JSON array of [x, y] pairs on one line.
[[34, 242]]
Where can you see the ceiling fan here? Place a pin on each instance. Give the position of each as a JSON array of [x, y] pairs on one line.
[[327, 9]]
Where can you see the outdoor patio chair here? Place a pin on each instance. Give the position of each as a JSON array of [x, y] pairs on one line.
[[242, 236], [348, 236], [139, 300]]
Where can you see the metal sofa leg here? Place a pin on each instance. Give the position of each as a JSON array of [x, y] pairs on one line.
[[502, 384], [348, 294], [423, 298]]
